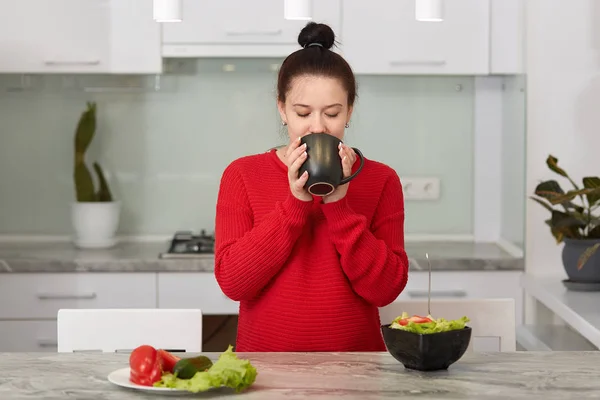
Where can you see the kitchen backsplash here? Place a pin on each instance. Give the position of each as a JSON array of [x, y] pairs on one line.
[[164, 144]]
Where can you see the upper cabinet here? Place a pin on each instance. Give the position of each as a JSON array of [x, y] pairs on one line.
[[476, 37], [60, 35], [383, 37], [79, 36], [241, 28], [507, 37], [135, 38]]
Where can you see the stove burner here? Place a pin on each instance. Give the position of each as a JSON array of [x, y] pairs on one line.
[[187, 245]]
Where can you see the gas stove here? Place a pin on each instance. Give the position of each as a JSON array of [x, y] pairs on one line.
[[187, 245]]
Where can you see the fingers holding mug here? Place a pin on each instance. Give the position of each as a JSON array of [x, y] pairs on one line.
[[299, 185], [296, 158], [348, 157], [293, 146]]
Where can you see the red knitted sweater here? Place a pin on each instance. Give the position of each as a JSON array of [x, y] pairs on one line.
[[309, 276]]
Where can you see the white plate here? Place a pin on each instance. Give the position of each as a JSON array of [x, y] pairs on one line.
[[120, 377]]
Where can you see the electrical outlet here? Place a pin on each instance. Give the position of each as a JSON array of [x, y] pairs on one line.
[[421, 188]]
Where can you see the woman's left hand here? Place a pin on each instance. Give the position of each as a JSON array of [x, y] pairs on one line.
[[348, 157]]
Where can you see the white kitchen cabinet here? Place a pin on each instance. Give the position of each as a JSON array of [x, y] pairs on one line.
[[383, 37], [467, 285], [194, 290], [28, 336], [41, 295], [507, 37], [58, 35], [29, 302], [79, 36], [240, 28], [201, 290], [135, 38]]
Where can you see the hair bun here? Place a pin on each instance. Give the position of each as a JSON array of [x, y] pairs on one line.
[[316, 33]]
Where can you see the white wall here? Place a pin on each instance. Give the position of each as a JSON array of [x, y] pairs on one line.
[[499, 161], [563, 109]]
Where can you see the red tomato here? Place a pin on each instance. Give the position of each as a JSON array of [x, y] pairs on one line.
[[418, 319], [415, 318], [167, 360], [144, 365]]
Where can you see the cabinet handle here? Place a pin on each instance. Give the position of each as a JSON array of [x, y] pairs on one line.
[[54, 62], [417, 62], [50, 296], [439, 293], [47, 343], [254, 33]]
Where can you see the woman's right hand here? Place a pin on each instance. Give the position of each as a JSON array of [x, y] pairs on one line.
[[295, 156]]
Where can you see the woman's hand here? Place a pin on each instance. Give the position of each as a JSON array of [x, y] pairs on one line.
[[295, 156], [348, 157]]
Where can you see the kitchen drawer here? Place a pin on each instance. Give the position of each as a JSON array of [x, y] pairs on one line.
[[194, 290], [28, 336], [466, 284], [40, 296]]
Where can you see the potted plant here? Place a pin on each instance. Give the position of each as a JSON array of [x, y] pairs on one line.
[[95, 215], [573, 222]]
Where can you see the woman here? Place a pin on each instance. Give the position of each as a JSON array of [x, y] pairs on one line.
[[309, 272]]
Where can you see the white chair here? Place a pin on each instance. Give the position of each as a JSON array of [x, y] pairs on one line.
[[492, 320], [122, 330]]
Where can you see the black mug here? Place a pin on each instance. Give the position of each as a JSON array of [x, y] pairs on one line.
[[323, 163]]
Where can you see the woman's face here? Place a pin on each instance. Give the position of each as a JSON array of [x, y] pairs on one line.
[[315, 104]]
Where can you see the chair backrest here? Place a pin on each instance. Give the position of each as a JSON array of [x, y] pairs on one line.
[[492, 320], [112, 330]]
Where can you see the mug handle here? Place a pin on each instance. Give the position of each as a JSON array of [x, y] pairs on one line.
[[362, 163]]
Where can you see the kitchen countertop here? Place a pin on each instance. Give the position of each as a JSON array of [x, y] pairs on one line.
[[143, 257], [578, 309], [352, 376]]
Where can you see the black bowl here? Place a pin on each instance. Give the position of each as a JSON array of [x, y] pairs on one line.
[[426, 352]]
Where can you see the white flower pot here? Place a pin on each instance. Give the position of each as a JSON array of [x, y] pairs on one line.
[[95, 224]]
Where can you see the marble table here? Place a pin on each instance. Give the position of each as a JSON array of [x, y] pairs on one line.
[[360, 376]]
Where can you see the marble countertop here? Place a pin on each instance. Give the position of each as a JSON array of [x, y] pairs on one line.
[[351, 376], [144, 257]]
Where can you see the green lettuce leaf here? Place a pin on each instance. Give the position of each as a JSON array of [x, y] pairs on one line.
[[228, 371], [435, 326]]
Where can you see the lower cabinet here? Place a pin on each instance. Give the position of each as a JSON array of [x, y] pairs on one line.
[[29, 302], [201, 290], [194, 290], [28, 336]]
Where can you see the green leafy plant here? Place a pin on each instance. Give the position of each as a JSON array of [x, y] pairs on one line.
[[568, 219], [84, 184]]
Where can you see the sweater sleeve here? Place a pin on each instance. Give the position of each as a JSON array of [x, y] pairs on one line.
[[373, 258], [247, 256]]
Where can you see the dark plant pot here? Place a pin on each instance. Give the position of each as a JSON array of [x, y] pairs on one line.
[[572, 250]]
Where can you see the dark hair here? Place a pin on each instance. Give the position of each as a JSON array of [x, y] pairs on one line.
[[315, 58]]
